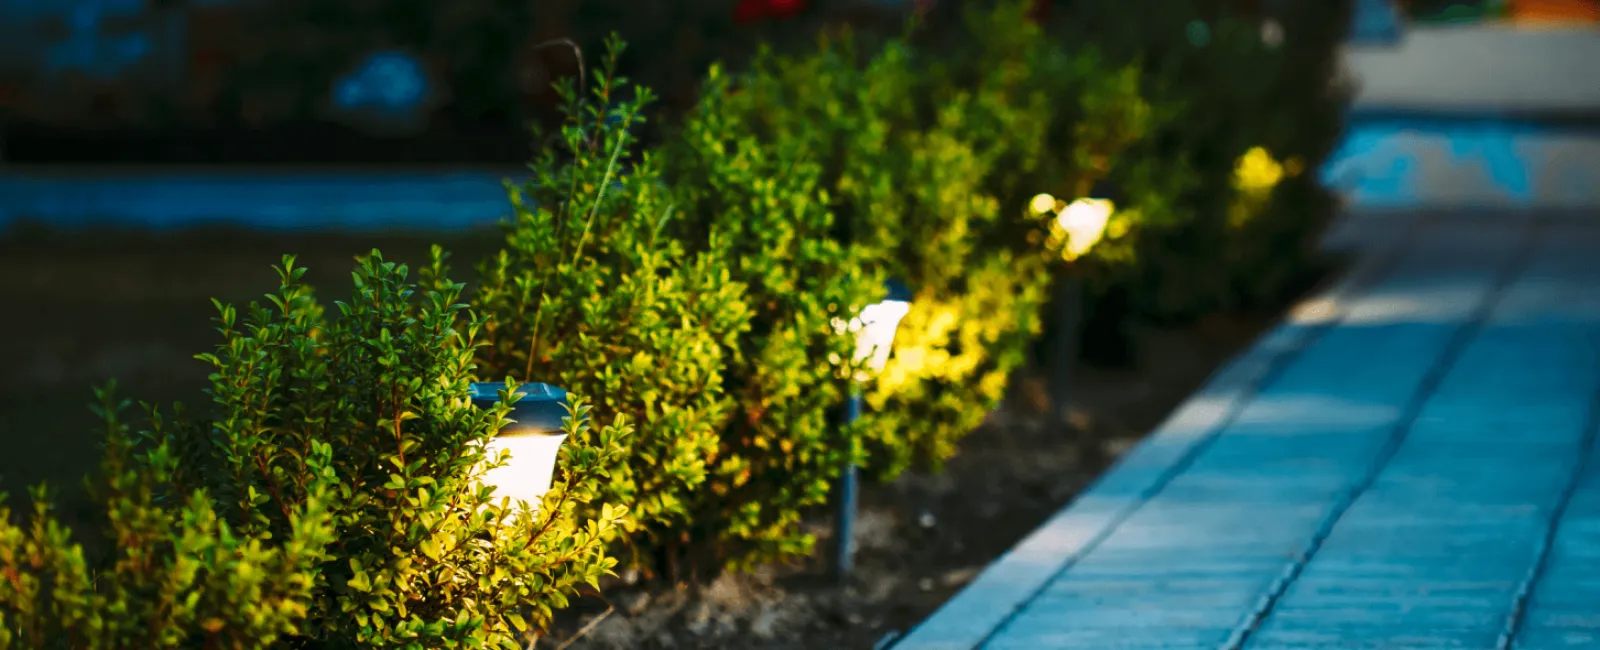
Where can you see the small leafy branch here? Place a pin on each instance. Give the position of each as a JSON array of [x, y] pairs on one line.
[[178, 575], [423, 554], [761, 205], [593, 292]]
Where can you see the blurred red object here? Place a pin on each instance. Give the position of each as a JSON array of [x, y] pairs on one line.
[[1039, 11], [750, 11], [1555, 11]]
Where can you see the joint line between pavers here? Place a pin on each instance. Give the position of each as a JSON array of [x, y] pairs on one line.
[[1230, 385], [1359, 281], [1404, 423], [1541, 563]]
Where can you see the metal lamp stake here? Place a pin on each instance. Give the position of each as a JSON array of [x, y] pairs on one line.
[[848, 500], [874, 331], [1078, 225], [1069, 312]]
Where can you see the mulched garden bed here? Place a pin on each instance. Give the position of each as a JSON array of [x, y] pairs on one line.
[[87, 308]]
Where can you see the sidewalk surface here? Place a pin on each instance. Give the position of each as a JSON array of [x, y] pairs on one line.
[[1493, 68], [1490, 115], [1406, 463]]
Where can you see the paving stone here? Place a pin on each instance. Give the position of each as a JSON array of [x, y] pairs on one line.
[[1358, 498]]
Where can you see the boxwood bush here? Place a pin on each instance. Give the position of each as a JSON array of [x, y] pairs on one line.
[[177, 575], [926, 161], [1230, 186], [761, 205], [695, 294], [377, 400], [594, 291]]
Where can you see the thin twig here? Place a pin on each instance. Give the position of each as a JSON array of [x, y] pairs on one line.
[[605, 183], [661, 223], [589, 627], [577, 52]]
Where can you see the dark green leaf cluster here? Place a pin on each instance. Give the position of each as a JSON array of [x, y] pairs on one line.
[[761, 205], [594, 292], [1206, 244], [368, 416], [179, 575]]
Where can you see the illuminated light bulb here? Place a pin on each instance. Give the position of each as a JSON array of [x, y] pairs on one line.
[[1271, 33], [874, 328], [1257, 171], [533, 438], [1042, 204], [1084, 222]]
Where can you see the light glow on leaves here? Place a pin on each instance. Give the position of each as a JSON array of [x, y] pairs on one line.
[[1079, 226], [1257, 171]]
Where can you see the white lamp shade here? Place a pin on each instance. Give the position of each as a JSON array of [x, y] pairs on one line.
[[1084, 222], [527, 474], [533, 438], [875, 329]]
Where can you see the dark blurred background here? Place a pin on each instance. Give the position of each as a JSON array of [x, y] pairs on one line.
[[401, 82], [340, 81], [156, 154]]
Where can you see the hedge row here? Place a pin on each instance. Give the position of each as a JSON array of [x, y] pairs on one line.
[[330, 495]]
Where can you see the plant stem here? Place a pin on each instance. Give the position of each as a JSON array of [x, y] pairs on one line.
[[588, 226]]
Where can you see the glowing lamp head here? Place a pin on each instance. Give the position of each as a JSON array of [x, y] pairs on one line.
[[875, 326], [533, 438], [1043, 204], [1083, 222]]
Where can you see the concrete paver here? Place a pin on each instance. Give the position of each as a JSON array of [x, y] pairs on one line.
[[1411, 473]]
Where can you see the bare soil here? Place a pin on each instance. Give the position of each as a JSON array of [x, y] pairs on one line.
[[79, 310]]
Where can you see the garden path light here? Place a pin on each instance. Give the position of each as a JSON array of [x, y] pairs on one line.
[[1083, 222], [533, 437], [1077, 227], [874, 331]]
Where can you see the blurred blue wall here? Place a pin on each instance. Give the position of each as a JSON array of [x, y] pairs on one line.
[[64, 37], [58, 37], [274, 200]]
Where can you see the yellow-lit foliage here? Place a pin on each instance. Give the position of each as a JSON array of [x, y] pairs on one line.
[[1257, 171], [1255, 176], [952, 358]]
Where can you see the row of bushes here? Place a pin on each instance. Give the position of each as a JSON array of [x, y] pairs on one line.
[[330, 494]]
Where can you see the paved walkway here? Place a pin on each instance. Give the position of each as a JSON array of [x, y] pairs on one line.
[[1471, 116], [1493, 67], [1406, 463]]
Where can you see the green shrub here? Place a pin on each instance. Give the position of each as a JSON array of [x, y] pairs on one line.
[[593, 291], [1218, 241], [178, 576], [929, 158], [423, 556], [761, 205], [1024, 113]]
